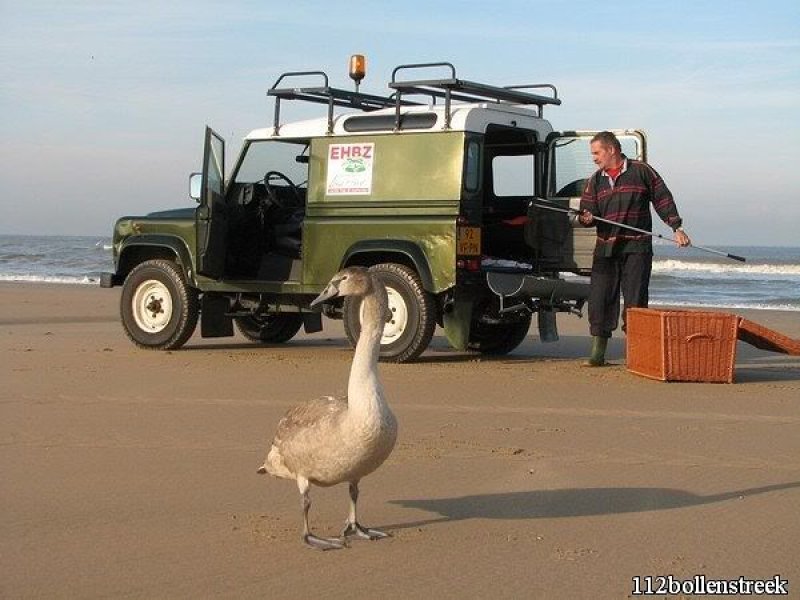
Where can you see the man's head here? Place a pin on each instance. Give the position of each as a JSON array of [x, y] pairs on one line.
[[606, 150]]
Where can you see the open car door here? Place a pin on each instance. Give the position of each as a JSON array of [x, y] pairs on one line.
[[212, 216], [562, 243]]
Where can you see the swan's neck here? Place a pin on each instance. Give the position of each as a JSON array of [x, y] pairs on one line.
[[364, 390]]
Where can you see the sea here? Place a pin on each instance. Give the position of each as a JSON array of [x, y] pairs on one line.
[[768, 280]]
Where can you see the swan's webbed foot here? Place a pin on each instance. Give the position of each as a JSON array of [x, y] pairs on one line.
[[320, 543], [356, 529]]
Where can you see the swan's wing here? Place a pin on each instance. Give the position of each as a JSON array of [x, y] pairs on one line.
[[309, 419], [308, 433]]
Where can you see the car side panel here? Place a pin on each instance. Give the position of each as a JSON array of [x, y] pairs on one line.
[[414, 197]]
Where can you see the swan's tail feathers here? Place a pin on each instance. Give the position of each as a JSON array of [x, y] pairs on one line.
[[274, 465]]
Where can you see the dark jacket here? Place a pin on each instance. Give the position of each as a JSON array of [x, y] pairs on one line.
[[628, 202]]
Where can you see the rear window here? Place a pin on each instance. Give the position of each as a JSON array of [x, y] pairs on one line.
[[513, 175]]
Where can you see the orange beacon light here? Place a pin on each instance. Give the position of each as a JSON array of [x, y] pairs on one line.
[[358, 68]]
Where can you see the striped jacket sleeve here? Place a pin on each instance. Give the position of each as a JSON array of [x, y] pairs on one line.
[[661, 198]]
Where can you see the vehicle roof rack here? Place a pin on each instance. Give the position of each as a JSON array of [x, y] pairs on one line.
[[325, 94], [450, 89], [462, 90]]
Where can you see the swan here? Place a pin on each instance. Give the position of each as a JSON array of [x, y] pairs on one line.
[[330, 440]]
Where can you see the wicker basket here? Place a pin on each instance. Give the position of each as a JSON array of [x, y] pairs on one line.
[[682, 345]]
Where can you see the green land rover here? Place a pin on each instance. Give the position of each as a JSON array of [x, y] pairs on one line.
[[434, 187]]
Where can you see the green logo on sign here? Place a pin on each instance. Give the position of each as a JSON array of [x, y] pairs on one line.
[[354, 165]]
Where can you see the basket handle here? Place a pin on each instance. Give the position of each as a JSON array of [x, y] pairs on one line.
[[698, 336]]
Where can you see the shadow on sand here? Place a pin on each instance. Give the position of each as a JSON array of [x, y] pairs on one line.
[[578, 502], [752, 366]]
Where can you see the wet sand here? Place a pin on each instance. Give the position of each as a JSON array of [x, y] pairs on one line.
[[132, 474]]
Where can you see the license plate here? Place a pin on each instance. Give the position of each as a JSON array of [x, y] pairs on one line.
[[469, 241]]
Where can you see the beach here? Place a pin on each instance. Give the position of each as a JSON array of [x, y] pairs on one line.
[[132, 474]]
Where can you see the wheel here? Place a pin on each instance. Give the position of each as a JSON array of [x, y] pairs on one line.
[[271, 329], [158, 309], [498, 338], [408, 332]]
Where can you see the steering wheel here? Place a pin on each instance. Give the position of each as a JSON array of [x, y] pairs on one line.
[[271, 176]]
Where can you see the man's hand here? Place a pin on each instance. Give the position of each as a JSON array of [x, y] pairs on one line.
[[586, 218], [681, 238]]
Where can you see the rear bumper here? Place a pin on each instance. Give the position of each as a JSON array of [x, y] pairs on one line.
[[531, 286]]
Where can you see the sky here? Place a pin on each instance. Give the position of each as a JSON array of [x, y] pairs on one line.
[[103, 104]]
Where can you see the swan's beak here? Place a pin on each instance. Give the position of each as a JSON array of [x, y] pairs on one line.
[[331, 291]]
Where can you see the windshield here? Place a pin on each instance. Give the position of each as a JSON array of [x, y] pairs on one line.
[[274, 155]]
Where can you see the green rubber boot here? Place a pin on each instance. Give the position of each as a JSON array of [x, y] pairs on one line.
[[598, 357]]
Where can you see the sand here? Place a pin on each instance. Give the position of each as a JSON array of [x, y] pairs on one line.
[[132, 474]]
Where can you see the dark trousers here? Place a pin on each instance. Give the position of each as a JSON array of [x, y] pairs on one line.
[[628, 273]]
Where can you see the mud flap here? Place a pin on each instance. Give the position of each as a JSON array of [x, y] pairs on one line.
[[312, 322], [213, 320], [457, 323], [548, 327]]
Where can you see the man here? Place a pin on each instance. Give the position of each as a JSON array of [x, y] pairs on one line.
[[621, 190]]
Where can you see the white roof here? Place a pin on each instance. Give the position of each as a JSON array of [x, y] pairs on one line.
[[463, 117]]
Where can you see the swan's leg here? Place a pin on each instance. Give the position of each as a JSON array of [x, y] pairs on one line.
[[309, 539], [352, 526]]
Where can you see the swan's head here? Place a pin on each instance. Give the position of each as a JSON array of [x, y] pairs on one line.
[[352, 281]]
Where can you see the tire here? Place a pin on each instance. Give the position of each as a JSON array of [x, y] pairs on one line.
[[159, 309], [413, 322], [498, 339], [270, 329]]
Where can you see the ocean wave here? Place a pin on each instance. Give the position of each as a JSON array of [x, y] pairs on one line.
[[74, 280], [672, 266], [19, 256], [795, 307]]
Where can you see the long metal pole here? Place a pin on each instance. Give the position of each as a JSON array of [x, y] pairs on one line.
[[541, 203]]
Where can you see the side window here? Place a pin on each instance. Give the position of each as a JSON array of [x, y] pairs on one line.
[[572, 165], [215, 169], [472, 170], [513, 175], [571, 162]]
